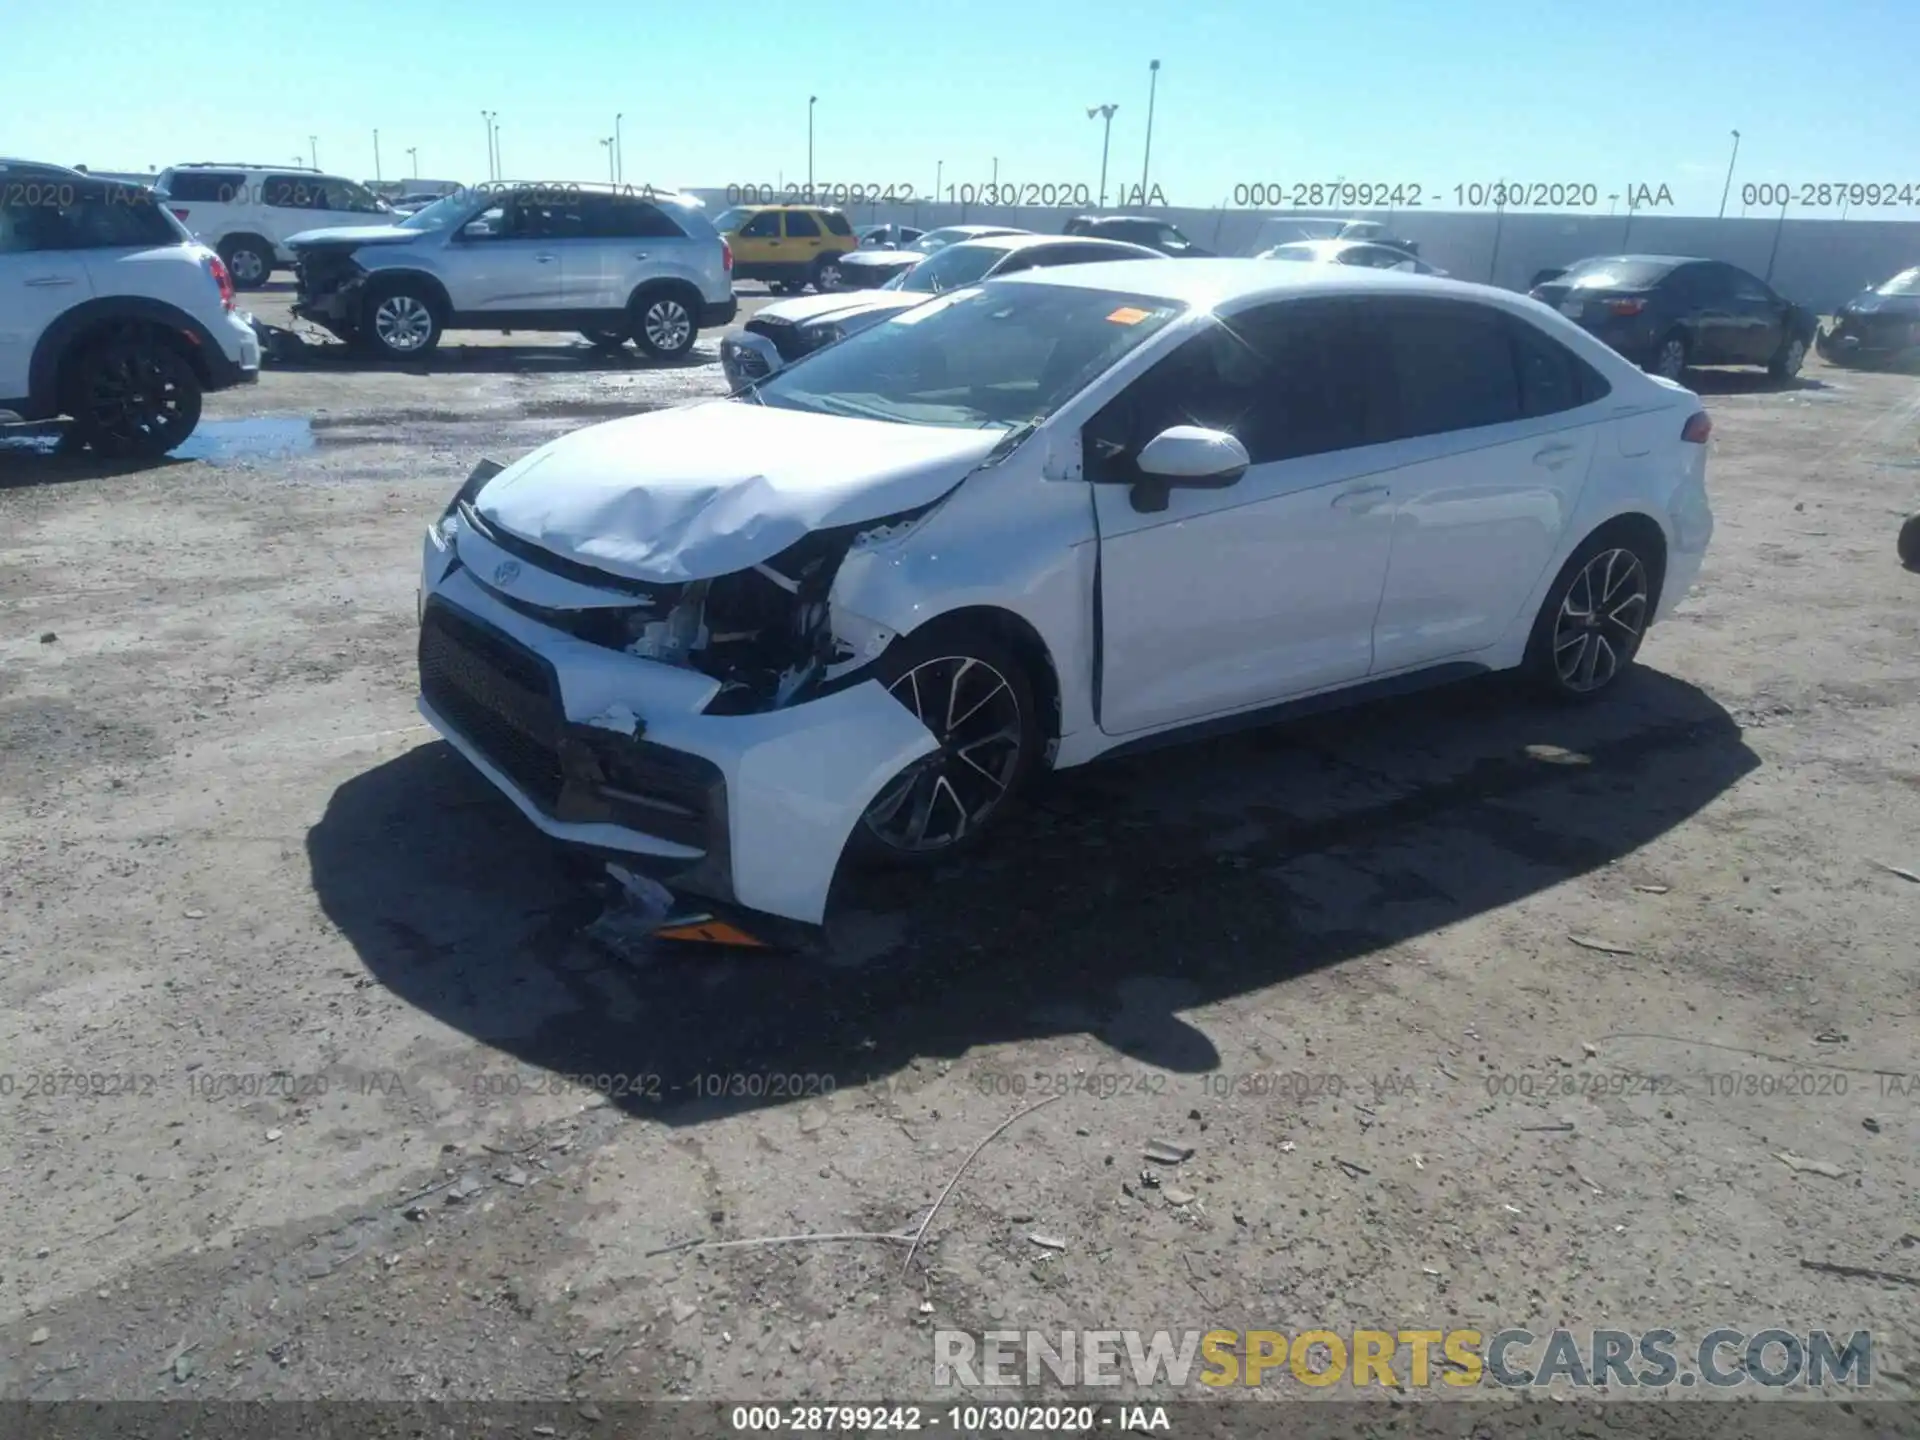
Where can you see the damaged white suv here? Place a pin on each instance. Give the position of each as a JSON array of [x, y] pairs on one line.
[[1032, 522]]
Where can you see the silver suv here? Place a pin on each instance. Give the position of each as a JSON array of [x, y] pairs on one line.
[[615, 263]]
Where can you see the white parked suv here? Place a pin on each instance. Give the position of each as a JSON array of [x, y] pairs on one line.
[[110, 312], [615, 263], [1025, 524], [248, 212]]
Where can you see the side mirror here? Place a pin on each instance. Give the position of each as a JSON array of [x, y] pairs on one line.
[[475, 230], [1187, 457]]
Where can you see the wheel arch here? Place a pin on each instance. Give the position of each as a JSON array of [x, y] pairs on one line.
[[102, 318], [1640, 526], [433, 289], [677, 285], [1018, 634]]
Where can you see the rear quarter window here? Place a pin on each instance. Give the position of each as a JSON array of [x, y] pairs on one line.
[[837, 224]]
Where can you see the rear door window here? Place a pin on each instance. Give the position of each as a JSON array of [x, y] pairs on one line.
[[627, 217], [1552, 377], [801, 225], [1446, 366], [206, 187]]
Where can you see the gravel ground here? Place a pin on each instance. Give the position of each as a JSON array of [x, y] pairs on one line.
[[1473, 1013]]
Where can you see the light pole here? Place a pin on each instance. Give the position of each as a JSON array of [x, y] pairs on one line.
[[376, 155], [1778, 226], [939, 169], [996, 177], [608, 142], [810, 100], [499, 165], [413, 154], [313, 150], [1727, 188], [1106, 139], [1613, 202], [619, 153], [1153, 84], [487, 116], [1499, 217]]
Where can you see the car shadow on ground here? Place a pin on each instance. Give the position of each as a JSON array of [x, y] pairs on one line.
[[1746, 382], [49, 454], [1124, 893], [291, 350]]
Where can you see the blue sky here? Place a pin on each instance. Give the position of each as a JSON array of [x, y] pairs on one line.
[[1435, 92]]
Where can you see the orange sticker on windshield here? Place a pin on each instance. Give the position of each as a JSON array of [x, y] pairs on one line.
[[1128, 315]]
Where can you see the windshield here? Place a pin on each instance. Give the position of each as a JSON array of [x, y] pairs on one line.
[[952, 269], [1000, 355], [938, 240], [447, 210], [728, 221], [1617, 272], [1907, 282]]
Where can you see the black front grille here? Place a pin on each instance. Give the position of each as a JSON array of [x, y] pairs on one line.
[[498, 696], [504, 701], [784, 336]]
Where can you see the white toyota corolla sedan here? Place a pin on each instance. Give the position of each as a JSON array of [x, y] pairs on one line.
[[853, 609]]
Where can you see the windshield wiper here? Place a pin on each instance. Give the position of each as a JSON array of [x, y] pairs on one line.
[[1010, 441]]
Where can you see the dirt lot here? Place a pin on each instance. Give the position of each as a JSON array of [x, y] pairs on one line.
[[340, 983]]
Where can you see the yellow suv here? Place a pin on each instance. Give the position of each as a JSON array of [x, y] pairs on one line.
[[789, 246]]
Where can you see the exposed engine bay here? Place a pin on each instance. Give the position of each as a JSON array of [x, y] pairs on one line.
[[768, 633]]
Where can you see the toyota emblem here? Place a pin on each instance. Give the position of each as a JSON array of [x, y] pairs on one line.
[[506, 572]]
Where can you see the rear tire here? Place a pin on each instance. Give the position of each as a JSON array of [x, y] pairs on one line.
[[665, 324], [133, 399], [1787, 363], [1910, 542], [1594, 617], [1670, 356], [826, 277], [977, 698], [249, 261], [400, 320]]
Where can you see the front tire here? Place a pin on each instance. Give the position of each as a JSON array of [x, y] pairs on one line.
[[1670, 356], [665, 324], [1787, 363], [976, 698], [400, 321], [1910, 542], [249, 261], [1592, 622], [134, 399]]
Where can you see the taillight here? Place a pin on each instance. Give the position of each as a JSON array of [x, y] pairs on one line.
[[225, 281], [726, 255], [1625, 307], [1697, 429], [178, 213]]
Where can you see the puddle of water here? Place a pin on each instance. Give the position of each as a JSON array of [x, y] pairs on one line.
[[29, 439], [228, 442], [1899, 464]]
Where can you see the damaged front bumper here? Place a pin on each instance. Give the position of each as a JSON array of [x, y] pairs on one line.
[[613, 752]]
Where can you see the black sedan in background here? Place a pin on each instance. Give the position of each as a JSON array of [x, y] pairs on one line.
[[1137, 230], [1879, 326], [1666, 312]]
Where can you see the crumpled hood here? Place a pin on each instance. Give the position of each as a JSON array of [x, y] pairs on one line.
[[355, 235], [703, 490], [877, 264], [836, 306], [1869, 302]]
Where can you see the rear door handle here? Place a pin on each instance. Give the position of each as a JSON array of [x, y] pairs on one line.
[[544, 259], [639, 254], [1553, 456], [51, 280], [1367, 497]]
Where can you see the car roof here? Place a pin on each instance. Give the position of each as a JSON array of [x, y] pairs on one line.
[[755, 205], [1213, 283], [42, 167], [1026, 240], [1646, 259]]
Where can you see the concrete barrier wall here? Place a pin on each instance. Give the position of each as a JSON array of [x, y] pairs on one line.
[[1818, 263]]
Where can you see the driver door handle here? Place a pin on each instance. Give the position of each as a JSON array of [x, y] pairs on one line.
[[546, 259], [51, 280], [1553, 457], [639, 254], [1365, 498]]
